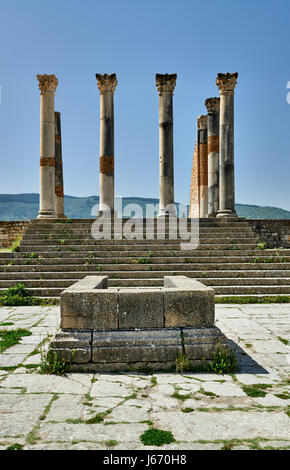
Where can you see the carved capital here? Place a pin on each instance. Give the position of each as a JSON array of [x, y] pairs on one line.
[[166, 82], [47, 83], [226, 82], [106, 82], [202, 122], [212, 105]]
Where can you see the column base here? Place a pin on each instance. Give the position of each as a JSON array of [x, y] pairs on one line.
[[227, 213], [46, 215], [167, 213]]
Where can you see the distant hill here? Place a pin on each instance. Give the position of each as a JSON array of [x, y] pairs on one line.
[[25, 206]]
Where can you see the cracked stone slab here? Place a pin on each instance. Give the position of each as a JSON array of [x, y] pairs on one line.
[[18, 424], [35, 383], [63, 432], [23, 403], [110, 389], [229, 425], [224, 389]]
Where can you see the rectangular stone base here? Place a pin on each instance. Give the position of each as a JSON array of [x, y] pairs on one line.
[[120, 350]]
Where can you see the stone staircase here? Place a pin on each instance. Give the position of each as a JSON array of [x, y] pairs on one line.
[[54, 255]]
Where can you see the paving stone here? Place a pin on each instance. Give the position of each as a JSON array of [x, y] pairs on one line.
[[249, 379], [35, 359], [158, 400], [110, 389], [18, 424], [36, 383], [11, 360], [241, 447], [63, 432], [272, 400], [66, 407], [224, 389], [228, 425], [22, 403], [67, 446], [128, 413], [276, 444]]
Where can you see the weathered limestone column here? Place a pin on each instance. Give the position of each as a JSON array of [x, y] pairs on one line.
[[107, 85], [47, 86], [213, 107], [59, 195], [203, 165], [194, 204], [166, 84], [226, 84]]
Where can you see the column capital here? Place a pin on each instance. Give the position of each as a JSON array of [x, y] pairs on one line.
[[106, 82], [166, 82], [47, 83], [226, 82], [212, 105], [202, 122]]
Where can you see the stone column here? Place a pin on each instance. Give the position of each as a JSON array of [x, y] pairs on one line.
[[107, 85], [213, 107], [194, 186], [226, 84], [59, 195], [166, 84], [47, 86], [203, 165]]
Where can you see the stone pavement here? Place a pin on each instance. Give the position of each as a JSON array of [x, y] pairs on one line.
[[203, 411]]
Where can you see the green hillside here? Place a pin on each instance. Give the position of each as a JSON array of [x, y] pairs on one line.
[[25, 206]]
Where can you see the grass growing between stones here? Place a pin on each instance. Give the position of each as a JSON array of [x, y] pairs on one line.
[[224, 362], [15, 447], [14, 247], [256, 390], [51, 365], [181, 397], [18, 295], [10, 338], [156, 437], [273, 299]]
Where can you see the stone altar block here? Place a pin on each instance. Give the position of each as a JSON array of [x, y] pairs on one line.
[[115, 328]]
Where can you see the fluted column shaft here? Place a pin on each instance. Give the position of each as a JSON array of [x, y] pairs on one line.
[[226, 84], [213, 107], [166, 84], [59, 194], [107, 85], [203, 165], [47, 86]]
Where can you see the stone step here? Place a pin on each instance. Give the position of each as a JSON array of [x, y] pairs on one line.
[[208, 222], [219, 290], [212, 282], [86, 232], [238, 281], [91, 241], [82, 231], [204, 267], [124, 262], [237, 290], [134, 247], [164, 252], [202, 275]]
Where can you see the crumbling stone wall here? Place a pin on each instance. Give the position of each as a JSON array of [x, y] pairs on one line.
[[10, 231], [276, 233]]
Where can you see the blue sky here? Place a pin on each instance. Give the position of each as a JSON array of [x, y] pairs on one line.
[[136, 40]]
